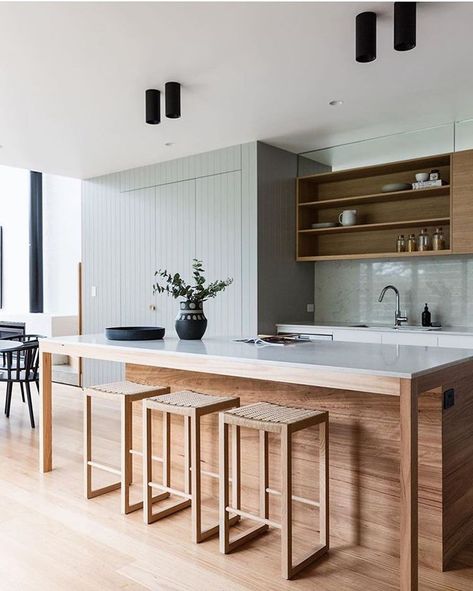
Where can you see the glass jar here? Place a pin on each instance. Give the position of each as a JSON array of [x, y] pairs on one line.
[[438, 240], [411, 243], [423, 241], [401, 243]]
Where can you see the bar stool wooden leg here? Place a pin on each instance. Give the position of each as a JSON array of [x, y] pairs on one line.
[[147, 466], [236, 467], [125, 453], [324, 483], [166, 449], [196, 479], [87, 446], [286, 502], [263, 474], [187, 455], [130, 443], [224, 492]]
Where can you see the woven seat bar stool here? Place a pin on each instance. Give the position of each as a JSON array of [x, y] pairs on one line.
[[126, 393], [192, 406], [273, 418]]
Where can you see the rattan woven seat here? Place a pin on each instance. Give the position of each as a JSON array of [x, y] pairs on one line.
[[125, 393], [192, 406], [274, 413], [126, 388], [188, 399]]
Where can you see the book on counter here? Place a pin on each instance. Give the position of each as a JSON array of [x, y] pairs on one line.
[[427, 184], [272, 340]]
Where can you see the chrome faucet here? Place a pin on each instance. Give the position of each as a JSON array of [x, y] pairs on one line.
[[398, 317]]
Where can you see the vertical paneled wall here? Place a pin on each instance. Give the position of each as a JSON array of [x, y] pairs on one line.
[[161, 216]]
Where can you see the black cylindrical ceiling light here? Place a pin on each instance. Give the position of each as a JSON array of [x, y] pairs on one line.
[[173, 99], [404, 26], [365, 37], [153, 106]]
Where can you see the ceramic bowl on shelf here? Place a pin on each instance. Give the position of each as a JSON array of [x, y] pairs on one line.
[[422, 176], [323, 225], [392, 187]]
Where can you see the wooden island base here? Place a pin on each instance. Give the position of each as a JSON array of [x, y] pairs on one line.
[[364, 460]]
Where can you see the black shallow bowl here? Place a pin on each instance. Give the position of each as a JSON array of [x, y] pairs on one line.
[[134, 333]]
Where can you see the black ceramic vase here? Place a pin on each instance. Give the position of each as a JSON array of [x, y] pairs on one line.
[[191, 322]]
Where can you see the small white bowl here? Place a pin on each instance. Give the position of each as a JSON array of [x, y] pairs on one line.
[[422, 176]]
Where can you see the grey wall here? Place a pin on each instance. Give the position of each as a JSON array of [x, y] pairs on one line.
[[284, 286], [347, 291]]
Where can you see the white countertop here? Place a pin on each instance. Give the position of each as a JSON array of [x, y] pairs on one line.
[[400, 361], [451, 330]]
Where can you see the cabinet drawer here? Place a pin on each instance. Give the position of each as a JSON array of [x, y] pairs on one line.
[[456, 341], [410, 338]]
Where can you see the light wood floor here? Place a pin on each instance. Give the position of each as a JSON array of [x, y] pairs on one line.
[[51, 538]]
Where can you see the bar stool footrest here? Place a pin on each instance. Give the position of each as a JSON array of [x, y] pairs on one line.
[[309, 559], [139, 505], [245, 537], [104, 490], [179, 506], [214, 531]]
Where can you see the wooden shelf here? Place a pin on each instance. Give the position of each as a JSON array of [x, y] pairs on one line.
[[379, 197], [382, 216], [381, 226], [376, 255]]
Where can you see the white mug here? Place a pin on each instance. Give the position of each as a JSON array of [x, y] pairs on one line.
[[348, 217]]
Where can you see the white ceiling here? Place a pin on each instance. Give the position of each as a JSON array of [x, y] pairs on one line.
[[73, 76]]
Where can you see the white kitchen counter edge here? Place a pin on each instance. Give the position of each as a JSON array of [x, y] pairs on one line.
[[422, 360]]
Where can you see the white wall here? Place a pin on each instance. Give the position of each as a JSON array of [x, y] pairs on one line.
[[14, 219], [61, 243]]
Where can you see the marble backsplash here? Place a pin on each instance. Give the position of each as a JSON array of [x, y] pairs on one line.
[[348, 291]]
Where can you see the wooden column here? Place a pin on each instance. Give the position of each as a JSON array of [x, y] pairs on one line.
[[45, 423], [409, 488]]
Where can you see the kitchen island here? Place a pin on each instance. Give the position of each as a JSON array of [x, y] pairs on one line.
[[383, 401]]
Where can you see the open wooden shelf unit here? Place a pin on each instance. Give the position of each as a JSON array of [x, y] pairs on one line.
[[381, 216]]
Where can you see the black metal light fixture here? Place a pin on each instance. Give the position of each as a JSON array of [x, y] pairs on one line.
[[365, 47], [173, 99], [153, 106], [404, 26]]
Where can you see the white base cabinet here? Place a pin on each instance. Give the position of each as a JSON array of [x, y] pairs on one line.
[[388, 337]]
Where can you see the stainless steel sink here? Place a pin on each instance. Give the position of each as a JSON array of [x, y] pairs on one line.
[[405, 328], [418, 328]]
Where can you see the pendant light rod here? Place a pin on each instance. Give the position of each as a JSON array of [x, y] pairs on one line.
[[365, 45], [404, 26], [173, 99], [153, 106]]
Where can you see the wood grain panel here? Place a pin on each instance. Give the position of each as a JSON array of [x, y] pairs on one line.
[[364, 463], [458, 469], [462, 201]]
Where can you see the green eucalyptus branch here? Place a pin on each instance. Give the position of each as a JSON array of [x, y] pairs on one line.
[[175, 286]]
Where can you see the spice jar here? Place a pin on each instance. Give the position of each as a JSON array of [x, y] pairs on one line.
[[411, 243], [401, 243], [423, 241], [438, 240]]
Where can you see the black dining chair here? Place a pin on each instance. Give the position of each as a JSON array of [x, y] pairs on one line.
[[23, 338], [22, 367]]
